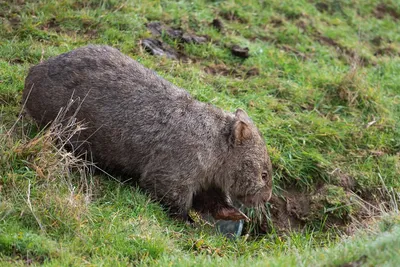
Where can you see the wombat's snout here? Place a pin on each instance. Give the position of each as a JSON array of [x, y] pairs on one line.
[[265, 194], [268, 195], [261, 197]]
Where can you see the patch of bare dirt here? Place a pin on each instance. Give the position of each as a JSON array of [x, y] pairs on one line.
[[346, 181], [383, 10], [334, 205], [343, 179], [288, 212], [297, 204]]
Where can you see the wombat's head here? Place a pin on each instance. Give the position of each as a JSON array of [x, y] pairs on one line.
[[249, 166]]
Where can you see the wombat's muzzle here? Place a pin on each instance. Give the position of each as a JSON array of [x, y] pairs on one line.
[[260, 197]]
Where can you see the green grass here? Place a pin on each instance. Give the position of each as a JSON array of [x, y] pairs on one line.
[[326, 98]]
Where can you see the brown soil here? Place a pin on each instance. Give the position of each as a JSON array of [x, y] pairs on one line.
[[294, 208], [288, 212], [346, 181]]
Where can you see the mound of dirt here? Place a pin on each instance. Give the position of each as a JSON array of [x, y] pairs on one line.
[[287, 212], [329, 204]]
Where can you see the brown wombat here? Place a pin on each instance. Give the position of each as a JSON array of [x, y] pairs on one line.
[[184, 152]]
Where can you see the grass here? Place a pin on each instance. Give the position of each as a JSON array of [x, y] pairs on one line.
[[325, 95]]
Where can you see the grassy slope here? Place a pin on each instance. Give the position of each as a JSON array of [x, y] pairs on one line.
[[326, 118]]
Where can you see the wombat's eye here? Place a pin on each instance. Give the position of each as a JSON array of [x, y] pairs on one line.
[[264, 175]]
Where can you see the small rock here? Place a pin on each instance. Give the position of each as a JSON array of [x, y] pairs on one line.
[[195, 39], [158, 48], [238, 51], [155, 28]]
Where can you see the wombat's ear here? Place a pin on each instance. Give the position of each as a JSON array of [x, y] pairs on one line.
[[241, 128], [240, 114]]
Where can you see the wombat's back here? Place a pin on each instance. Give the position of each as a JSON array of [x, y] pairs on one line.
[[108, 76]]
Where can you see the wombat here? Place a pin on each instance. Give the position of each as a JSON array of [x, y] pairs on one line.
[[183, 151]]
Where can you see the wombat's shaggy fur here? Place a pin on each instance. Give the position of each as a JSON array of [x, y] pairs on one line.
[[140, 124]]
